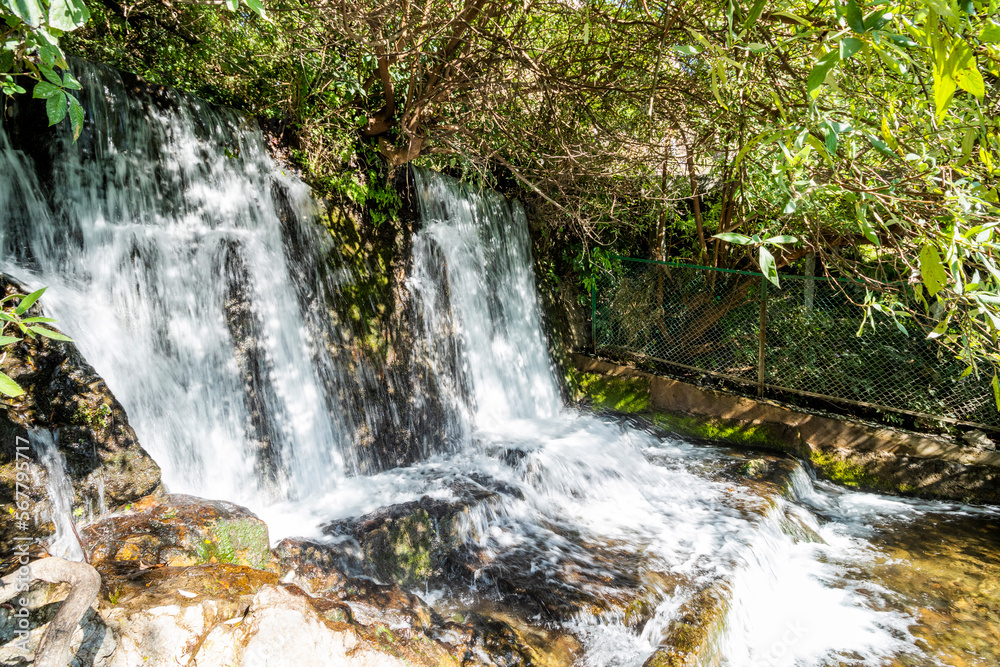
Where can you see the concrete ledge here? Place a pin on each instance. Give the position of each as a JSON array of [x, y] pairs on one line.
[[854, 454]]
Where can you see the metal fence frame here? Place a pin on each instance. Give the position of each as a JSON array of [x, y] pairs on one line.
[[760, 384]]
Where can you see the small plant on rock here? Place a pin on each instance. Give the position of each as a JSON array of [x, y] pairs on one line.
[[13, 316]]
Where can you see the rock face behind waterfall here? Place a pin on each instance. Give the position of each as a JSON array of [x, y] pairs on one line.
[[64, 395]]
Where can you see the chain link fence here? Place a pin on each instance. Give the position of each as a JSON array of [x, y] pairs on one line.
[[805, 337]]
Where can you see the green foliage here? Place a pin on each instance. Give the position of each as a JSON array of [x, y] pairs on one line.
[[31, 51], [843, 124], [14, 316]]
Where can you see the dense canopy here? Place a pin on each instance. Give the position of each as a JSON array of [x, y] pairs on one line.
[[723, 133]]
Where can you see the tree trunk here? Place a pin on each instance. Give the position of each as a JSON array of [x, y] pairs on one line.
[[84, 581]]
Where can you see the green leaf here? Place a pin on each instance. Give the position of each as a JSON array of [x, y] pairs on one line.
[[791, 16], [778, 240], [45, 90], [49, 333], [852, 14], [55, 108], [790, 206], [944, 90], [990, 33], [767, 266], [877, 20], [996, 390], [29, 11], [971, 81], [50, 74], [830, 141], [70, 82], [714, 80], [755, 12], [28, 301], [869, 232], [931, 270], [940, 329], [76, 116], [901, 40], [51, 55], [849, 46], [881, 147], [687, 50], [37, 320], [746, 148], [7, 340], [67, 14], [731, 237], [231, 5], [9, 387], [818, 74], [256, 6]]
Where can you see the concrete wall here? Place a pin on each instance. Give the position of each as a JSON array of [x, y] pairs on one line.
[[851, 453]]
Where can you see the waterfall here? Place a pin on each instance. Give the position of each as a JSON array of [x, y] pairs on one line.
[[159, 235], [473, 281]]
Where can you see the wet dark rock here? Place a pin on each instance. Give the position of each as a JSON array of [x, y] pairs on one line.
[[179, 530], [416, 541], [66, 397], [317, 569], [470, 637]]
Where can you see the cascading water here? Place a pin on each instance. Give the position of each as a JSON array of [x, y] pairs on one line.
[[163, 234], [159, 237], [65, 542], [473, 280]]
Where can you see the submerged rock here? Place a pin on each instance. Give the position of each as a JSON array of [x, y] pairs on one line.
[[420, 540], [180, 530]]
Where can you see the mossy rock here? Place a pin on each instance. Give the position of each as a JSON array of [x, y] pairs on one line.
[[691, 637], [620, 393], [179, 530]]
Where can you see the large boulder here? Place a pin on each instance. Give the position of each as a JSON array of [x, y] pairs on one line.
[[486, 636], [222, 614], [67, 402], [179, 530]]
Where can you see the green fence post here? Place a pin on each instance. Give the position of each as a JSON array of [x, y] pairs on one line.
[[762, 337], [593, 315]]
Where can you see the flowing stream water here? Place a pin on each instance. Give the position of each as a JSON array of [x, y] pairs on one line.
[[162, 235]]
